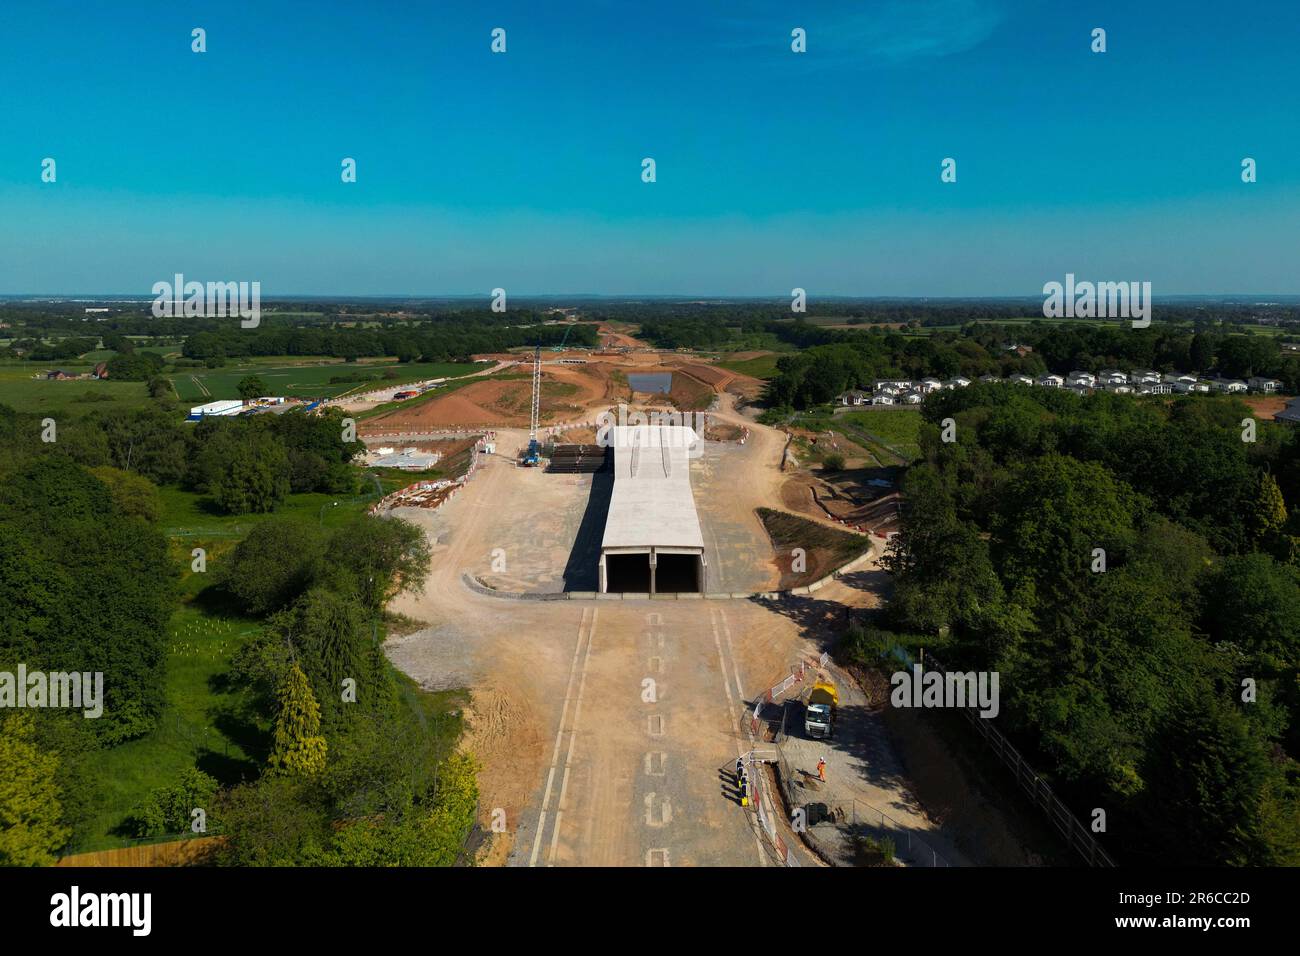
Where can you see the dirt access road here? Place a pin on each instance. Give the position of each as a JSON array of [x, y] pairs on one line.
[[604, 727]]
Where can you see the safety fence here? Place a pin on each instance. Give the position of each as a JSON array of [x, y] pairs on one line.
[[796, 675], [775, 692], [768, 823]]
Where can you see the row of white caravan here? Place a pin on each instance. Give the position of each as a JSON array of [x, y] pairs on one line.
[[1137, 382]]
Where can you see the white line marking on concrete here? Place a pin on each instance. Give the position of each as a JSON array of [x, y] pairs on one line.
[[559, 736], [735, 727], [573, 736], [731, 652], [666, 814]]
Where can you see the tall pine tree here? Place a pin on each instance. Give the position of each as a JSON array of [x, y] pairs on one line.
[[298, 748]]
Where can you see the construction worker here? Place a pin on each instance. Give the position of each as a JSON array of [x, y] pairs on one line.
[[821, 769]]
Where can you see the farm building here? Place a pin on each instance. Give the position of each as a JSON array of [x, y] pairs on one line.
[[225, 407]]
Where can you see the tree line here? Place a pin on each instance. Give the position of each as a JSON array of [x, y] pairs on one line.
[[1132, 572], [833, 361], [349, 766]]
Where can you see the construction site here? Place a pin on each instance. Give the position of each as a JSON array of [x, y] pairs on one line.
[[612, 594]]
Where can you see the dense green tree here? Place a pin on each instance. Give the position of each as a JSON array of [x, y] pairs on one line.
[[1201, 353], [1253, 601], [335, 638], [150, 442], [1208, 777], [273, 565], [169, 809], [377, 558], [247, 470], [251, 387], [31, 826], [133, 494], [319, 458], [275, 821], [134, 366], [85, 588], [1267, 515]]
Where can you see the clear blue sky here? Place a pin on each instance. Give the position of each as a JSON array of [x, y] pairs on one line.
[[775, 170]]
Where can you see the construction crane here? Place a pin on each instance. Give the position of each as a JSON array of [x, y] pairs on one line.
[[532, 458], [560, 347]]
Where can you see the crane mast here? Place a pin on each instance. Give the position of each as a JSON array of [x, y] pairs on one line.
[[533, 456]]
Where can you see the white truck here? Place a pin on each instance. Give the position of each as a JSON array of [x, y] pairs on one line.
[[819, 712]]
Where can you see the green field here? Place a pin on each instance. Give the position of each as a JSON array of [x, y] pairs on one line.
[[23, 385], [898, 430], [763, 367], [20, 391], [308, 380]]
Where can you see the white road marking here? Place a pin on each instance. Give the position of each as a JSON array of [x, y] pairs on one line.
[[559, 735], [714, 614], [666, 816], [731, 651], [573, 735]]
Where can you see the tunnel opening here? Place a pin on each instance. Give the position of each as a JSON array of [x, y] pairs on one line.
[[677, 573], [627, 573]]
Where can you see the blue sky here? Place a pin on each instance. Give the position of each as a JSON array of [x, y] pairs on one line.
[[775, 170]]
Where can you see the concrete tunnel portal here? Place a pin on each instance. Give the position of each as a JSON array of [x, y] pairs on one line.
[[652, 542]]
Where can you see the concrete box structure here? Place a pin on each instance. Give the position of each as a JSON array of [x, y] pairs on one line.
[[652, 542]]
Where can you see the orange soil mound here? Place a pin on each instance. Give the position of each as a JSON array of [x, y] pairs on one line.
[[1266, 406]]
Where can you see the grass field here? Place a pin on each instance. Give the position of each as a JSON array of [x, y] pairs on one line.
[[763, 367], [896, 429], [20, 391], [308, 380], [23, 386]]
